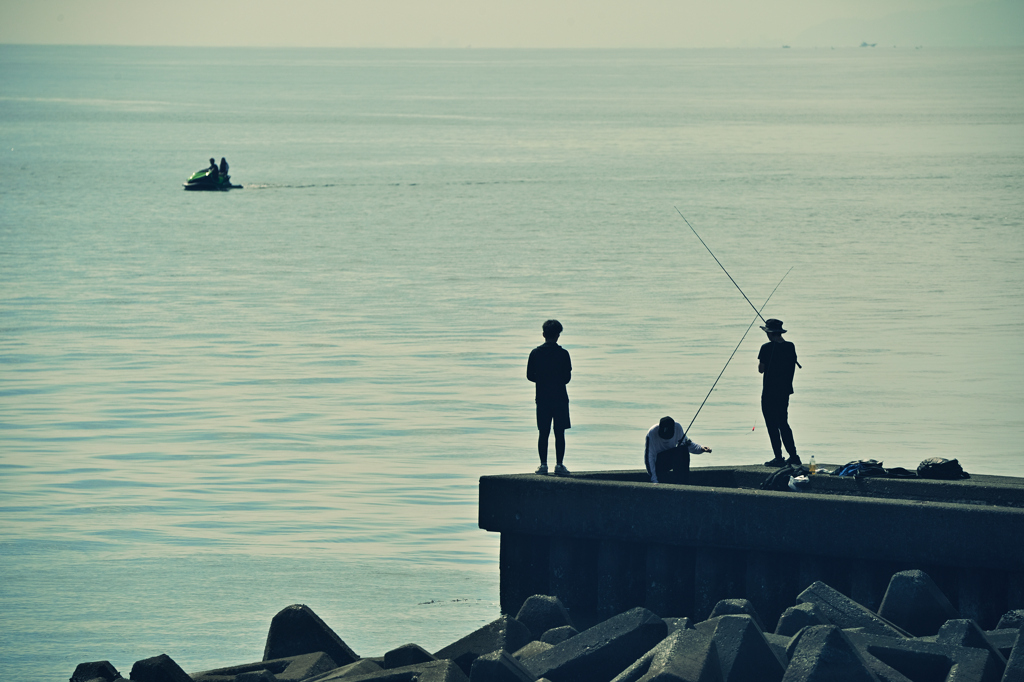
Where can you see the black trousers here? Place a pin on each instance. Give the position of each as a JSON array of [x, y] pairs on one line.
[[775, 409], [673, 465]]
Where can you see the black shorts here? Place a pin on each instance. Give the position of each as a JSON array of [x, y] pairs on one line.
[[557, 412]]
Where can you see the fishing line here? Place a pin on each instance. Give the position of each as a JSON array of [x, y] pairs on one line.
[[738, 344], [722, 266]]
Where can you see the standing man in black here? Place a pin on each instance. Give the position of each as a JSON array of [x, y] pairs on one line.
[[777, 362], [550, 369]]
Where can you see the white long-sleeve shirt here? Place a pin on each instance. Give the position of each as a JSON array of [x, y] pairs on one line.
[[656, 444]]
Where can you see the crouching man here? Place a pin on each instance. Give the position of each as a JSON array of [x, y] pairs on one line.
[[667, 452]]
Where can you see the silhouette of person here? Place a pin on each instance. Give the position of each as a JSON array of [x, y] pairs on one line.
[[223, 166], [550, 368], [777, 362], [667, 452], [213, 169]]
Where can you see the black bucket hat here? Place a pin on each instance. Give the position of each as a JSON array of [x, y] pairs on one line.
[[773, 326]]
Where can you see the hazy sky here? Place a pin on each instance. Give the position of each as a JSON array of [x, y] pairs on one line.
[[437, 23]]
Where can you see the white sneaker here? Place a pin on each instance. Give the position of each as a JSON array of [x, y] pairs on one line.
[[560, 470], [542, 469]]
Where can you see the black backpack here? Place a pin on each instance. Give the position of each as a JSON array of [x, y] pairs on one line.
[[942, 469]]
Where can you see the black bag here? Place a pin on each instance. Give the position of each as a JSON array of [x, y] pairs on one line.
[[861, 467], [941, 469], [779, 480]]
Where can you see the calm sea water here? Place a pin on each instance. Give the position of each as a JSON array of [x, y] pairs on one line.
[[217, 405]]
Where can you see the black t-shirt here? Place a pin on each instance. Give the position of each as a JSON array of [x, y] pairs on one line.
[[779, 360], [550, 368]]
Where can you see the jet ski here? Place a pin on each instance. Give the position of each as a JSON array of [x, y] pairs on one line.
[[206, 181]]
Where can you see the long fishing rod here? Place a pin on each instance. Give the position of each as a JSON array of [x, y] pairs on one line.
[[720, 264], [737, 347]]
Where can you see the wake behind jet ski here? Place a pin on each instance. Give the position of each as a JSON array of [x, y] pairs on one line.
[[211, 179]]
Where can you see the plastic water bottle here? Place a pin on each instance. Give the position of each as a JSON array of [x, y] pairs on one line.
[[812, 466]]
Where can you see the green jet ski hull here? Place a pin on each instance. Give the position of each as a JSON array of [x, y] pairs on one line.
[[204, 181]]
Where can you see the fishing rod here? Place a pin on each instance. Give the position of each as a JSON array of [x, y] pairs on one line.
[[722, 266], [737, 345], [730, 277]]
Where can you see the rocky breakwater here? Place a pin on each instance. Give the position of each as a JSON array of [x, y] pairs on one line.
[[916, 635]]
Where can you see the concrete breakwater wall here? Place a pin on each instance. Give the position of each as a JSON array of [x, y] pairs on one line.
[[605, 542]]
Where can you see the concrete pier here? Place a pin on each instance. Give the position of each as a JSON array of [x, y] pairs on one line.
[[605, 542]]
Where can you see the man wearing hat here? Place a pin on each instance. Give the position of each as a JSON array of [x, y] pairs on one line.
[[667, 452], [777, 362]]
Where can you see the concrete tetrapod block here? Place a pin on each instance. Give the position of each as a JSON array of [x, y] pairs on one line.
[[499, 666], [1011, 619], [406, 655], [541, 613], [675, 624], [160, 668], [825, 654], [1015, 661], [291, 669], [873, 663], [257, 676], [1003, 640], [95, 670], [296, 630], [434, 671], [915, 603], [779, 645], [922, 659], [505, 633], [795, 618], [842, 611], [600, 653], [532, 649], [683, 656], [966, 633], [558, 635], [360, 668], [727, 607], [743, 653]]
